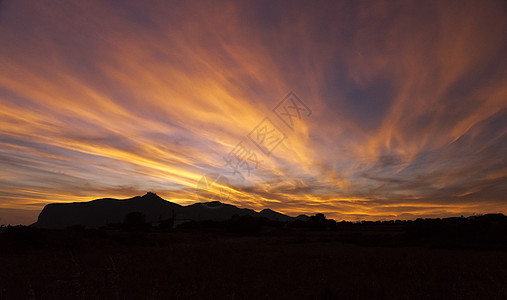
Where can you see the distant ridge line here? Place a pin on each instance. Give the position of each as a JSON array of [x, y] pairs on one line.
[[104, 211]]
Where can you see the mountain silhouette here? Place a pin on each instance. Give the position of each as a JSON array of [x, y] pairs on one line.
[[275, 216], [102, 212]]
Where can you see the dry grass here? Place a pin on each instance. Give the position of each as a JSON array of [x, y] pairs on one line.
[[201, 266]]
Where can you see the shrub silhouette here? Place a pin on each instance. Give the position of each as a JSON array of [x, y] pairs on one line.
[[319, 222]]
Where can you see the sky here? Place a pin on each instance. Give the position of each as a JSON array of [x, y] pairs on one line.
[[362, 110]]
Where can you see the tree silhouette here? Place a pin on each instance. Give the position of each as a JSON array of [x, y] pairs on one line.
[[320, 222]]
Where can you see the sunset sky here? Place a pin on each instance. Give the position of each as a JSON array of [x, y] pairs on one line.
[[408, 103]]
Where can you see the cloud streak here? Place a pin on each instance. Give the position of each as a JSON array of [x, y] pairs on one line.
[[409, 103]]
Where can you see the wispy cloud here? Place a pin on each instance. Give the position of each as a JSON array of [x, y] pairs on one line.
[[106, 99]]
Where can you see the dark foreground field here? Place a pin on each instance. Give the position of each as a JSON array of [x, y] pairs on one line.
[[209, 265]]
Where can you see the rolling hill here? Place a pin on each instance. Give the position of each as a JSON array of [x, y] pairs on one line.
[[101, 212]]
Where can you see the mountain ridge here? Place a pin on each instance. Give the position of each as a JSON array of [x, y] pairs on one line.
[[104, 211]]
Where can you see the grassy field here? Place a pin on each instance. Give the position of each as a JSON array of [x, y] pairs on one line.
[[198, 265]]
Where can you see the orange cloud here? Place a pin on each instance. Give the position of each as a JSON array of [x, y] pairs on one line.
[[408, 102]]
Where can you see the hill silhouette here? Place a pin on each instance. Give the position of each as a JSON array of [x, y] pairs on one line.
[[318, 258], [102, 212]]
